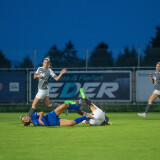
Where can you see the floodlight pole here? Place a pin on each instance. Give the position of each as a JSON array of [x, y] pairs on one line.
[[139, 57], [35, 58], [86, 58]]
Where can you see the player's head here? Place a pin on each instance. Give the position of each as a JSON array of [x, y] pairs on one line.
[[106, 121], [26, 120], [158, 67], [46, 62]]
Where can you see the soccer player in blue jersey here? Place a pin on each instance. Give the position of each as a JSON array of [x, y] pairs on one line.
[[52, 118]]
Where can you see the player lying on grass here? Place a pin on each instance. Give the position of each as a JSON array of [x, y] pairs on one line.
[[52, 118], [99, 117]]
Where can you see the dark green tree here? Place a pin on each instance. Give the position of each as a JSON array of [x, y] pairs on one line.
[[27, 63], [101, 57], [127, 58], [4, 62], [70, 55], [56, 56], [152, 51]]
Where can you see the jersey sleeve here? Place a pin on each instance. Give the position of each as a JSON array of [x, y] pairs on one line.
[[52, 73], [154, 77], [38, 71], [34, 115]]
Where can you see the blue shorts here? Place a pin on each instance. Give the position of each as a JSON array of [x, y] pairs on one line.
[[52, 119]]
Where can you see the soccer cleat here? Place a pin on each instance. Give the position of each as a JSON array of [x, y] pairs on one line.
[[70, 102], [84, 122], [82, 93], [142, 114], [109, 123]]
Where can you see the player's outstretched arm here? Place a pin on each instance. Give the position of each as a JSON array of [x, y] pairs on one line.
[[40, 114], [57, 78]]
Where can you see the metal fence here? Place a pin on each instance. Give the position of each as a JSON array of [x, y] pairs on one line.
[[107, 85]]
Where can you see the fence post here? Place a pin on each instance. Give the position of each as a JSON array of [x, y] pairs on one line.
[[27, 86], [86, 58]]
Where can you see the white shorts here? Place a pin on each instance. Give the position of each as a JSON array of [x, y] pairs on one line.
[[42, 93], [99, 117], [156, 91]]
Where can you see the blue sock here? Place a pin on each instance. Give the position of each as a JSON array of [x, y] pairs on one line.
[[73, 106], [79, 120]]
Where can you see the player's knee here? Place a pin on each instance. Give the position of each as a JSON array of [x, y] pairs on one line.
[[73, 123], [34, 106], [48, 104], [66, 105], [150, 101]]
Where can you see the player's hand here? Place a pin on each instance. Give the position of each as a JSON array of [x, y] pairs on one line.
[[150, 75], [41, 122], [64, 70], [39, 76]]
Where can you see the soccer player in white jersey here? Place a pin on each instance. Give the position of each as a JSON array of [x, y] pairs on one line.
[[99, 117], [156, 93], [43, 73]]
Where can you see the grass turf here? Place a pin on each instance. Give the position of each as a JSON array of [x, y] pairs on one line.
[[129, 137]]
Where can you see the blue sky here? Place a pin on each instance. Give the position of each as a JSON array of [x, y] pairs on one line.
[[29, 24]]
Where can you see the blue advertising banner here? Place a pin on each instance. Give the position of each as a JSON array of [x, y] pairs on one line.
[[98, 85], [12, 86]]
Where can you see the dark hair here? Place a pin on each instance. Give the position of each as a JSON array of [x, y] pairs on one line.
[[105, 122], [25, 123]]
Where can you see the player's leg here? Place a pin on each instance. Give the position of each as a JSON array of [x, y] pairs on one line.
[[150, 101], [64, 106], [92, 107], [34, 105], [87, 100], [40, 95], [47, 102], [64, 122]]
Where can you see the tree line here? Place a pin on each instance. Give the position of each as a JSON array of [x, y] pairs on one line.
[[101, 56]]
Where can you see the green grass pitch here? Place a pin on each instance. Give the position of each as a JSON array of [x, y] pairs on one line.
[[130, 137]]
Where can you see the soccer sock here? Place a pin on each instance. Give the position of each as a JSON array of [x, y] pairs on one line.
[[147, 108], [88, 101], [79, 120], [73, 106], [31, 111], [79, 112]]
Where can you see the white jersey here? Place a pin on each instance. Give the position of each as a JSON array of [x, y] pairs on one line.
[[98, 117], [45, 73]]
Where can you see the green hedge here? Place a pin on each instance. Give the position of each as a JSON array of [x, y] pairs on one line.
[[106, 108]]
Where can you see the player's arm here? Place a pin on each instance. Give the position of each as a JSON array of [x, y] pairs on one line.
[[57, 78], [40, 114], [151, 78], [37, 76]]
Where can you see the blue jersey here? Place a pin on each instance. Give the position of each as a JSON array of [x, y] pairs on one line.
[[51, 119]]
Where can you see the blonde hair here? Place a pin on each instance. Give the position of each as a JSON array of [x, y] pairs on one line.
[[158, 63], [48, 59]]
